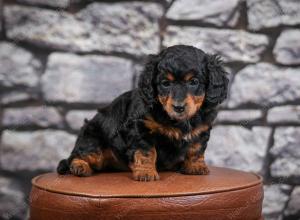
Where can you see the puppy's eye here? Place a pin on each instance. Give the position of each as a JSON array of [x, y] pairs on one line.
[[194, 82], [165, 83]]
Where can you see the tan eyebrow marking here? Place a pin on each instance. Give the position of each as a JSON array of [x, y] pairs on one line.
[[188, 76], [170, 77]]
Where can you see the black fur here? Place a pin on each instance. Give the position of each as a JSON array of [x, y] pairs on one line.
[[120, 125]]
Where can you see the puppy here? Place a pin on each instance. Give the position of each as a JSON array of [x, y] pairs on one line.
[[162, 125]]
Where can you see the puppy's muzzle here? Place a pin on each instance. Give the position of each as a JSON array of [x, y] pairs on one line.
[[179, 107]]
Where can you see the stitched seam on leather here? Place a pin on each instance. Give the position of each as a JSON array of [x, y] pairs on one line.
[[259, 182], [148, 196]]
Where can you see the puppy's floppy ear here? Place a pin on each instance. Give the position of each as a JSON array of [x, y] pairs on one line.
[[146, 80], [216, 91]]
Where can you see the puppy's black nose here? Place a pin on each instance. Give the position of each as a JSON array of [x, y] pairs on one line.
[[179, 108]]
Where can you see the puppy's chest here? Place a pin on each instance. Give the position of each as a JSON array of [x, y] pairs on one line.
[[174, 133], [170, 153]]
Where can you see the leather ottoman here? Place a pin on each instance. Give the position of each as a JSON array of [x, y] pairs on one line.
[[224, 194]]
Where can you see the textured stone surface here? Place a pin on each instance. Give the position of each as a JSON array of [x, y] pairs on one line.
[[76, 118], [47, 28], [284, 114], [275, 198], [293, 207], [132, 30], [269, 13], [52, 3], [238, 46], [287, 47], [1, 9], [286, 152], [238, 115], [86, 79], [214, 12], [67, 59], [11, 200], [265, 84], [18, 66], [238, 147], [34, 150], [16, 97], [40, 116]]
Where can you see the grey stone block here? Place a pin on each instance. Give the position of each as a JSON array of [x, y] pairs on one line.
[[47, 28], [237, 147], [232, 45], [18, 67], [287, 47], [76, 118], [238, 115], [130, 27], [275, 198], [265, 85], [119, 27], [1, 9], [38, 150], [16, 97], [86, 79], [269, 13], [214, 12], [12, 199], [286, 153], [284, 114], [39, 116], [293, 207]]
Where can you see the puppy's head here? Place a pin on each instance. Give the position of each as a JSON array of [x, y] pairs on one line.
[[183, 79]]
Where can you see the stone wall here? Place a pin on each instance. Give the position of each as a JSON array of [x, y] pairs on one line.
[[60, 59]]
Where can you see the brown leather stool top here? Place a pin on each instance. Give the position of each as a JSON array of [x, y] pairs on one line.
[[223, 194]]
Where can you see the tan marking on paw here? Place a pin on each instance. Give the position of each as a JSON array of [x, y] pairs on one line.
[[80, 167], [144, 166], [194, 163]]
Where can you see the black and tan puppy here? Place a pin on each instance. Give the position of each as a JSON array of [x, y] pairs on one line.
[[162, 125]]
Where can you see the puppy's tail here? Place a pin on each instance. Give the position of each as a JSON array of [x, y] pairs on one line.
[[63, 167]]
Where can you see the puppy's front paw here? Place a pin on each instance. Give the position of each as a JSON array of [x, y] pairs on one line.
[[195, 169], [145, 175], [80, 167]]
